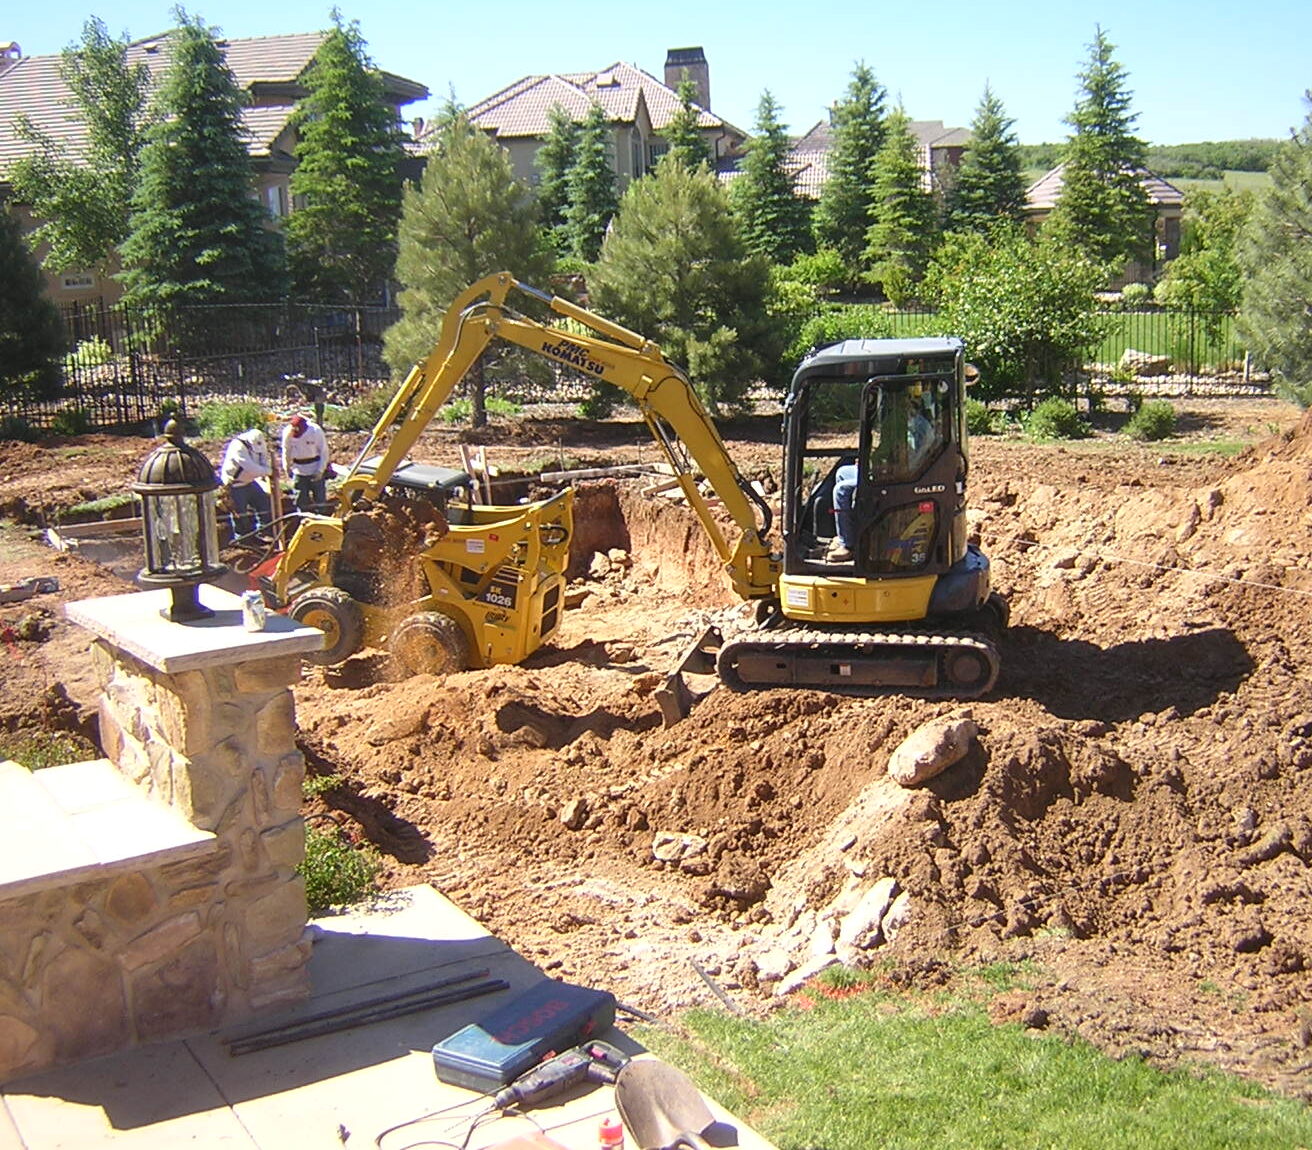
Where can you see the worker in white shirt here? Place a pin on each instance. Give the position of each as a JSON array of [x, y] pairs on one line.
[[244, 470], [305, 459]]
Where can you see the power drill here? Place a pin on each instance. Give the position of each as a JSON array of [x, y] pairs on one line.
[[596, 1062]]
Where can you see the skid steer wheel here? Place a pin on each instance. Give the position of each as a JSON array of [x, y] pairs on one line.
[[338, 616], [430, 643]]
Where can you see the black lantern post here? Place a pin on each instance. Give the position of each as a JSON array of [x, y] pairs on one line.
[[177, 486]]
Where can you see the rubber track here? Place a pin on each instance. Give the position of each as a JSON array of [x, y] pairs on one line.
[[861, 646]]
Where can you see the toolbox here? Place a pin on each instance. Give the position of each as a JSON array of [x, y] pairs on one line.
[[545, 1019]]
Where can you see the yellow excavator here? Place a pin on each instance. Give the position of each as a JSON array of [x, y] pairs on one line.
[[876, 589]]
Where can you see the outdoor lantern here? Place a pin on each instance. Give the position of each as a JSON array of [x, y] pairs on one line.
[[177, 486]]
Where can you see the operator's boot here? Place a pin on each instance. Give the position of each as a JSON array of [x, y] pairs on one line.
[[838, 552]]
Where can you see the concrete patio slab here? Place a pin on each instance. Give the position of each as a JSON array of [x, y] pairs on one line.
[[344, 1089]]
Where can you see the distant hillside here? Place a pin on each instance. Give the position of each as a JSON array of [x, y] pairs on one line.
[[1205, 161]]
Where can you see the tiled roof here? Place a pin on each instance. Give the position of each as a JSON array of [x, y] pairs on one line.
[[34, 87], [521, 108], [1042, 195]]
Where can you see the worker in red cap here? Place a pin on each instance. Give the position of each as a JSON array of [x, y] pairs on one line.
[[305, 459]]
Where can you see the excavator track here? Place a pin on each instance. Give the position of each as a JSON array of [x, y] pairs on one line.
[[923, 664]]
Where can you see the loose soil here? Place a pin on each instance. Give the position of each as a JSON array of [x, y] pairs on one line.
[[1133, 827]]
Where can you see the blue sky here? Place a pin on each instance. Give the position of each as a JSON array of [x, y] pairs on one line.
[[1200, 70]]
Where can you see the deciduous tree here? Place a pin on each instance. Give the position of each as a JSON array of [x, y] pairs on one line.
[[903, 227], [675, 268], [341, 239], [197, 234], [83, 201], [1103, 207], [843, 215], [592, 198], [1276, 254], [467, 217], [764, 196], [988, 186], [31, 334]]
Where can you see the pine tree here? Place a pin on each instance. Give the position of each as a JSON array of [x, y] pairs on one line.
[[592, 199], [903, 228], [675, 268], [1103, 208], [843, 215], [764, 197], [1275, 251], [197, 234], [84, 204], [341, 239], [682, 133], [31, 334], [988, 186], [555, 160], [467, 217]]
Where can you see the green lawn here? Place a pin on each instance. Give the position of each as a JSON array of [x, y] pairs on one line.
[[866, 1071]]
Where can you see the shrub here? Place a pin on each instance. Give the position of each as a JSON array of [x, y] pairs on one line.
[[1054, 418], [362, 413], [71, 421], [91, 352], [980, 420], [1136, 295], [823, 270], [1154, 420], [458, 410], [35, 750], [16, 427], [224, 420], [335, 872], [838, 323]]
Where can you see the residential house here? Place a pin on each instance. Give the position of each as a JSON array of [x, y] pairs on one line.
[[940, 149], [638, 108], [1168, 206], [270, 69]]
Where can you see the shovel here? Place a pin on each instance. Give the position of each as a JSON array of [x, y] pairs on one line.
[[661, 1107]]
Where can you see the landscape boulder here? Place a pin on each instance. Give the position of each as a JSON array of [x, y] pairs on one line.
[[930, 749], [1142, 363]]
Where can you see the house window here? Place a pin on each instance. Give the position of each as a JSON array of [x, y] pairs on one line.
[[655, 150], [275, 198], [77, 281]]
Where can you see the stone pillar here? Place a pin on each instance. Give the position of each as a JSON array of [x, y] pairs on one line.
[[200, 716]]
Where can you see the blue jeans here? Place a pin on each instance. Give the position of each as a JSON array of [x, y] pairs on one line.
[[311, 493], [251, 508], [844, 493]]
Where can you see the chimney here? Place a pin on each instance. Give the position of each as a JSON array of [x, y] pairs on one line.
[[10, 54], [690, 64]]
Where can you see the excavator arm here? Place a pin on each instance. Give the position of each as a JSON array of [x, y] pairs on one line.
[[674, 414]]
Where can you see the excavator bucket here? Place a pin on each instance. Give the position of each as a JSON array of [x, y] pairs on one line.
[[675, 697]]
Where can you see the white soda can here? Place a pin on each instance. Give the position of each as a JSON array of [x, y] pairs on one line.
[[254, 615]]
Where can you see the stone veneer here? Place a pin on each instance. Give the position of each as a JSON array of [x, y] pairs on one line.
[[200, 718]]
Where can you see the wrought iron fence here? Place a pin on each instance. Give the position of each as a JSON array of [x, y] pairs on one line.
[[126, 364]]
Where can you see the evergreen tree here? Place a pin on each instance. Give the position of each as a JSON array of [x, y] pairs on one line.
[[466, 218], [682, 133], [988, 186], [764, 197], [555, 160], [675, 268], [903, 228], [341, 240], [31, 334], [1276, 254], [843, 215], [1103, 207], [592, 199], [197, 234], [84, 204]]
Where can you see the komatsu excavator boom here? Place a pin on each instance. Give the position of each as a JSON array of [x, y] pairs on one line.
[[494, 578]]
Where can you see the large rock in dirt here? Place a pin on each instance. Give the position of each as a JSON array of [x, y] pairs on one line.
[[930, 749], [861, 926]]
